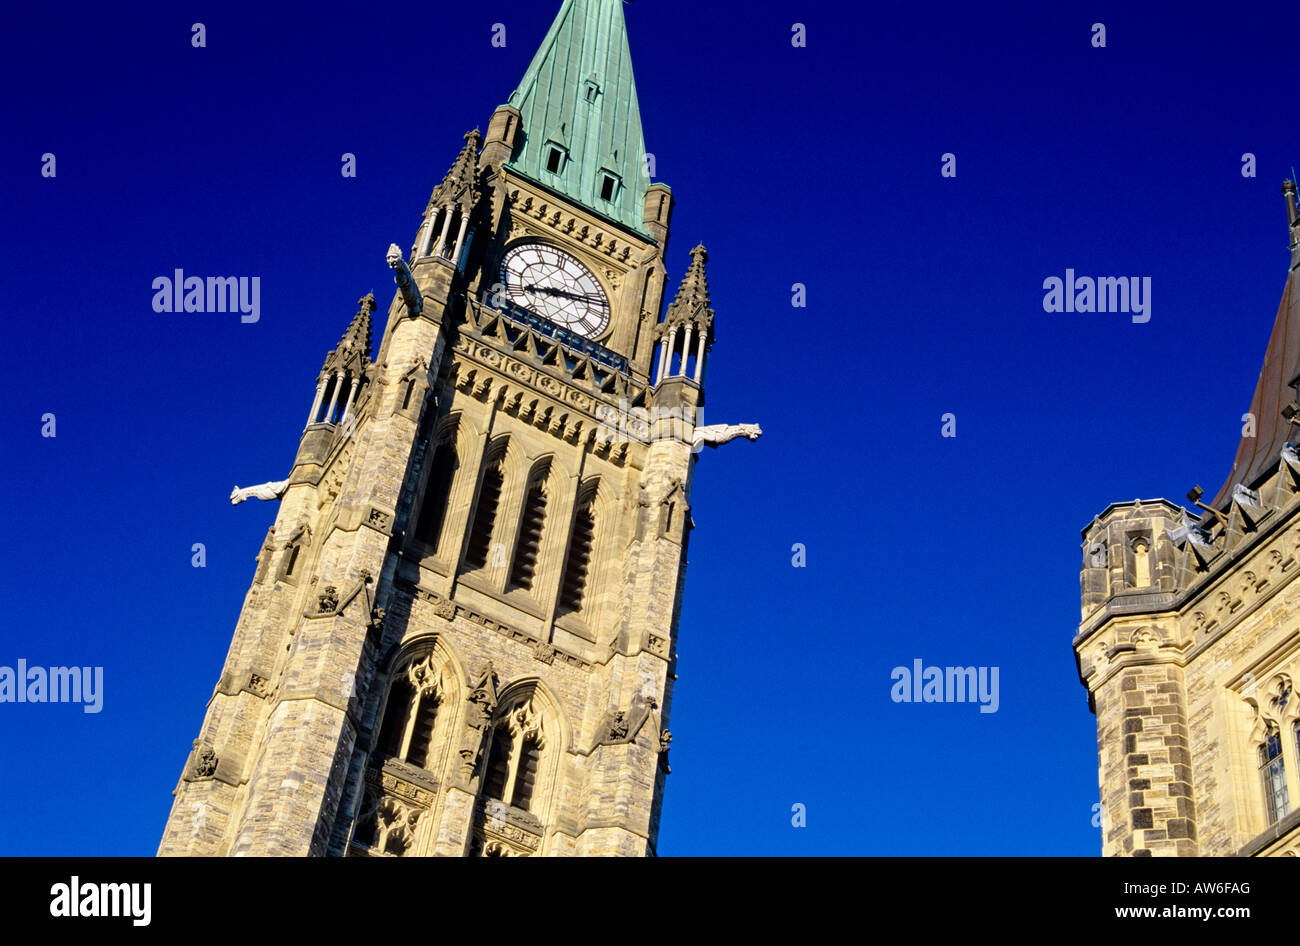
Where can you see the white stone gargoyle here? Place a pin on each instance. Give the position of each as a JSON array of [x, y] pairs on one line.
[[411, 294], [266, 491], [719, 434]]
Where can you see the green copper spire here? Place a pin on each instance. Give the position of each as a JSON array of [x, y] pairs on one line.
[[581, 124]]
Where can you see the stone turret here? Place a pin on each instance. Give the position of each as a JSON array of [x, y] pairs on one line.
[[1187, 644]]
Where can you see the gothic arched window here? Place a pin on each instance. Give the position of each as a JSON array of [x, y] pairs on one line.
[[573, 586], [421, 743], [1273, 770], [437, 492], [393, 732], [498, 768], [526, 774], [530, 533], [515, 757], [489, 497], [411, 715]]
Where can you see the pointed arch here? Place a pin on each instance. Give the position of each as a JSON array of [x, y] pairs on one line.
[[538, 495], [431, 525], [497, 458], [520, 781], [1272, 769], [580, 561], [422, 706]]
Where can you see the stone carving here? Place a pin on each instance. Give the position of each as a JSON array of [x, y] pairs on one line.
[[328, 600], [205, 765], [665, 739], [617, 727], [445, 609], [405, 282], [545, 652], [524, 720], [484, 697], [425, 678], [719, 434], [1097, 555], [258, 685], [265, 491]]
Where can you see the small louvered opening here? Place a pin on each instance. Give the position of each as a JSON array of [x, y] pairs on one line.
[[480, 540], [574, 585], [530, 537], [433, 511]]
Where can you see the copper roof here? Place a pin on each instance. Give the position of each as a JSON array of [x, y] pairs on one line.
[[1257, 456]]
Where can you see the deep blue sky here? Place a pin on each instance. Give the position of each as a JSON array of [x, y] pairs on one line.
[[817, 165]]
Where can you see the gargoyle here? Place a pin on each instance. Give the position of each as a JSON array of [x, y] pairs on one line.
[[719, 434], [410, 291], [267, 491]]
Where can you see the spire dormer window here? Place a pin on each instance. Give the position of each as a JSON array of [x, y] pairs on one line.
[[609, 185], [556, 158]]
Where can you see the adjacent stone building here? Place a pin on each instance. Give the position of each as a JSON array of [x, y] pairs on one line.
[[461, 634], [1189, 644]]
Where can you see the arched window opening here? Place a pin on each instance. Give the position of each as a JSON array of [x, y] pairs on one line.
[[437, 493], [480, 540], [573, 586], [526, 777], [422, 732], [396, 715], [498, 770], [1273, 770], [530, 536]]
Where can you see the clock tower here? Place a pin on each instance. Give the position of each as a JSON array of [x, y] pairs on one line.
[[461, 634]]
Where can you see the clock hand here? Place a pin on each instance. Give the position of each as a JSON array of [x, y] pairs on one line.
[[551, 291]]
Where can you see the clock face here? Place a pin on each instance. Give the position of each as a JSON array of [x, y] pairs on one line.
[[551, 283]]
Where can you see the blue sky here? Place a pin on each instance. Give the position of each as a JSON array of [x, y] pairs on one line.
[[816, 165]]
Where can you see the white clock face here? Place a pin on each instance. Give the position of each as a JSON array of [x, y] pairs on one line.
[[551, 283]]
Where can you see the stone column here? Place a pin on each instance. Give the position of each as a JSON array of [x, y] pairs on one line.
[[352, 393], [460, 237], [446, 228], [315, 405], [334, 398]]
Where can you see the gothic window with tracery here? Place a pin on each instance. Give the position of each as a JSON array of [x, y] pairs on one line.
[[514, 759], [1273, 770], [411, 716]]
